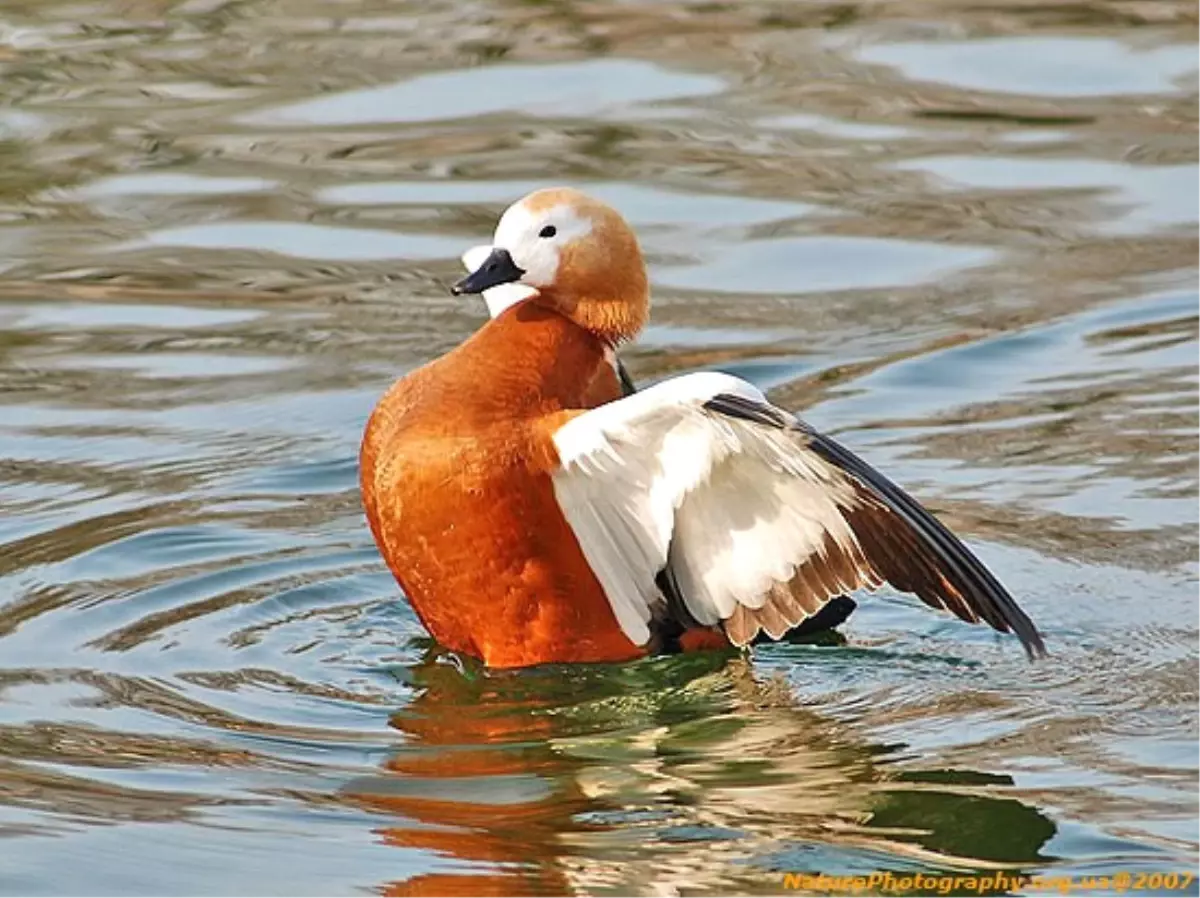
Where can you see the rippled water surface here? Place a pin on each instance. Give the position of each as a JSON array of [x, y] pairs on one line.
[[960, 236]]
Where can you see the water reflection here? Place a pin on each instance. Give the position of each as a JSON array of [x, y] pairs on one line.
[[553, 90], [1058, 66], [1139, 196], [829, 263], [554, 781]]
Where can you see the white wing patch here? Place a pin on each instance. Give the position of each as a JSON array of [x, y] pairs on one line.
[[738, 506], [500, 297], [763, 511]]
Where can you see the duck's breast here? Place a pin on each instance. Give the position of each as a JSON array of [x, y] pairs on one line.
[[456, 487]]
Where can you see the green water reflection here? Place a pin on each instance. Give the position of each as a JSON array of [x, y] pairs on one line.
[[558, 780]]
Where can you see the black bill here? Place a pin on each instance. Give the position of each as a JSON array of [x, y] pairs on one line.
[[498, 268]]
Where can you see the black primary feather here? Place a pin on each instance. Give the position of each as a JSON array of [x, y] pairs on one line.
[[961, 569]]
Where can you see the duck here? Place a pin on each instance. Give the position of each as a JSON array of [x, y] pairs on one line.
[[536, 508]]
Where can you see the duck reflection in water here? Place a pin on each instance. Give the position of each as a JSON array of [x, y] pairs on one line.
[[555, 780]]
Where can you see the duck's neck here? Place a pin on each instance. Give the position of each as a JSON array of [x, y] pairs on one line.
[[612, 317], [534, 356]]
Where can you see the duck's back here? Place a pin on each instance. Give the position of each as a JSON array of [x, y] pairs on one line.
[[456, 486]]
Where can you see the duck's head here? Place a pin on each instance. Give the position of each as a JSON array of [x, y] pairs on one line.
[[575, 255]]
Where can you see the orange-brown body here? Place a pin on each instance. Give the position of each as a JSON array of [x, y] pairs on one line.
[[455, 468]]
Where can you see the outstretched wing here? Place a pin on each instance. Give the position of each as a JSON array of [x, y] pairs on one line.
[[758, 519]]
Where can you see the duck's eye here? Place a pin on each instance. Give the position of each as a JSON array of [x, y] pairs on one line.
[[548, 231]]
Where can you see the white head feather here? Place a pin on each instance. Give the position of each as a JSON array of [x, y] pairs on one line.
[[534, 240]]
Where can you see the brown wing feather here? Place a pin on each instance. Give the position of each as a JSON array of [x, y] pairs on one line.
[[824, 576], [898, 541]]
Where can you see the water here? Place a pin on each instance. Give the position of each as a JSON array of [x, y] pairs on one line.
[[960, 237]]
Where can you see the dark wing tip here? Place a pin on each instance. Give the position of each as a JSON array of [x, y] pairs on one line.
[[902, 540], [933, 563]]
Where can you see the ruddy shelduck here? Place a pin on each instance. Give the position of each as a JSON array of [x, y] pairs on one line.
[[535, 508]]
